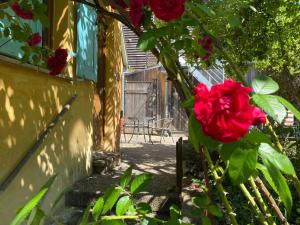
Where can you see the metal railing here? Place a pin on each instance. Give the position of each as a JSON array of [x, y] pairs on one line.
[[33, 149]]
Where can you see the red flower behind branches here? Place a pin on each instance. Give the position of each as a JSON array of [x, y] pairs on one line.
[[207, 44], [58, 61], [136, 11], [167, 9], [225, 112], [35, 40], [121, 3], [24, 14]]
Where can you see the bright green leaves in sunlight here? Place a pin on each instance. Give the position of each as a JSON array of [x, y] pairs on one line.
[[264, 85], [242, 159], [140, 182]]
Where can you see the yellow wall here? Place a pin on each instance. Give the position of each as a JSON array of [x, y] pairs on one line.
[[29, 101], [113, 87]]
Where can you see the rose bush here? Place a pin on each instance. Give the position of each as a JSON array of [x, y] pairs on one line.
[[207, 44], [168, 9], [58, 61], [225, 112], [35, 40], [136, 11], [24, 14]]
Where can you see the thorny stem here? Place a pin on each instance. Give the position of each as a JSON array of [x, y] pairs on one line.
[[261, 202], [270, 199], [220, 187], [253, 204]]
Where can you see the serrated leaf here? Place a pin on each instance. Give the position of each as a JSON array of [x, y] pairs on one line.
[[97, 209], [215, 210], [264, 85], [198, 8], [289, 106], [125, 178], [110, 198], [140, 182], [271, 106], [123, 205], [242, 164], [257, 137], [282, 187], [227, 149], [267, 176], [279, 160]]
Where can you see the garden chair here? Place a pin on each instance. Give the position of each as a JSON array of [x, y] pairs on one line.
[[160, 128]]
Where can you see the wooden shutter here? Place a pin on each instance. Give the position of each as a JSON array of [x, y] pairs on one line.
[[13, 48], [87, 44]]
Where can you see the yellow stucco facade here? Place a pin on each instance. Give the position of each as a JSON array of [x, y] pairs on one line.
[[29, 100]]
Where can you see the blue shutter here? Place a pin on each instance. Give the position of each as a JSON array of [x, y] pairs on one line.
[[87, 44], [13, 48]]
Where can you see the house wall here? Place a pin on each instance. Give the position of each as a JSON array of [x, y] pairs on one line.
[[29, 100]]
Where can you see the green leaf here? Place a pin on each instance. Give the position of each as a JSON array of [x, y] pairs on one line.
[[146, 44], [202, 201], [279, 160], [143, 208], [113, 222], [282, 187], [24, 212], [234, 21], [36, 217], [196, 136], [242, 164], [228, 148], [125, 178], [205, 220], [289, 106], [215, 210], [85, 218], [123, 205], [175, 212], [267, 176], [257, 137], [198, 9], [98, 208], [264, 85], [140, 182], [271, 106], [189, 103], [110, 198]]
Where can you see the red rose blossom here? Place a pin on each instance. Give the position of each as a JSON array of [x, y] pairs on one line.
[[35, 40], [167, 9], [58, 61], [25, 14], [207, 44], [136, 11], [225, 112]]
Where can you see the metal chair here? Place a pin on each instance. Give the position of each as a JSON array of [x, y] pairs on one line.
[[159, 127]]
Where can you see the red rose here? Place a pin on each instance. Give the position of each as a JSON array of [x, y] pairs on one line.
[[35, 40], [167, 9], [136, 11], [58, 62], [27, 15], [225, 112], [259, 117], [207, 44]]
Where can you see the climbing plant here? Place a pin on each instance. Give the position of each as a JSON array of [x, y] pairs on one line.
[[230, 120]]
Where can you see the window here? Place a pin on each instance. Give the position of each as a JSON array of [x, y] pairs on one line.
[[87, 44], [12, 48]]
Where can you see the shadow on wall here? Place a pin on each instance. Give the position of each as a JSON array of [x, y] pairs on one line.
[[29, 101]]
